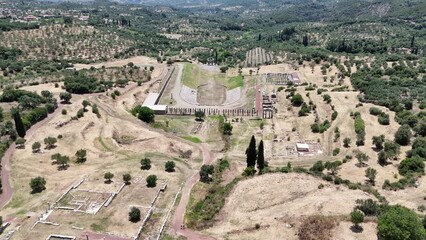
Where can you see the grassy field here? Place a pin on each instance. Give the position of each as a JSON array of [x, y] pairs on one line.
[[194, 76]]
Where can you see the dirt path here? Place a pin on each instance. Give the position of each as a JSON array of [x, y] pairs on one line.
[[6, 196], [178, 219]]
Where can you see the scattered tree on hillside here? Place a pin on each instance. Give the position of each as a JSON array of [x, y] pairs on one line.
[[378, 141], [362, 158], [145, 164], [403, 135], [37, 184], [356, 218], [333, 167], [36, 147], [81, 155], [205, 173], [126, 178], [371, 173], [108, 176], [65, 97], [151, 181], [170, 166], [50, 142], [346, 142]]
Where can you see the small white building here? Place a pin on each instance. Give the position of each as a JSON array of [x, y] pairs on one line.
[[302, 147]]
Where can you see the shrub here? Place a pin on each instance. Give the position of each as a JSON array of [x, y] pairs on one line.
[[336, 151], [64, 112], [375, 111], [411, 165]]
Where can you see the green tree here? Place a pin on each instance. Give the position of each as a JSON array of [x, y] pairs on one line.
[[297, 100], [145, 164], [37, 184], [108, 176], [346, 142], [251, 153], [65, 97], [412, 165], [356, 218], [227, 128], [36, 147], [126, 178], [85, 103], [146, 114], [19, 125], [199, 115], [333, 167], [50, 142], [371, 173], [392, 150], [362, 158], [134, 215], [151, 181], [378, 141], [170, 166], [81, 155], [261, 157], [382, 159], [205, 173], [403, 135], [317, 167], [400, 223]]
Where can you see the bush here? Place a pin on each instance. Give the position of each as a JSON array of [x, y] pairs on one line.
[[375, 111], [317, 167], [126, 178], [297, 100], [336, 151], [412, 165], [384, 119], [369, 207], [64, 112], [80, 113]]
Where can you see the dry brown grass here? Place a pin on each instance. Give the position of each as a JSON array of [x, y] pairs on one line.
[[317, 228]]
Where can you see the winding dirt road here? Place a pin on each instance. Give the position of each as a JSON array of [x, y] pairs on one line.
[[178, 219]]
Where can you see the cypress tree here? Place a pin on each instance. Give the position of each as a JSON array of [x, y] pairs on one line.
[[260, 157], [19, 125], [251, 153]]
